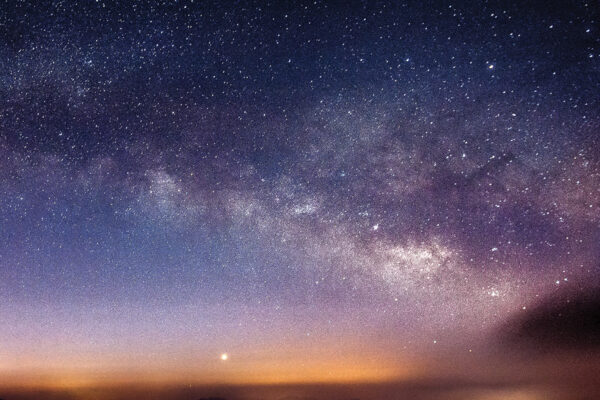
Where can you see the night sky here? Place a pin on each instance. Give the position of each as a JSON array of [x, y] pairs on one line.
[[241, 193]]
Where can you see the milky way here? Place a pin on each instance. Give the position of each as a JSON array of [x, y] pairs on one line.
[[320, 191]]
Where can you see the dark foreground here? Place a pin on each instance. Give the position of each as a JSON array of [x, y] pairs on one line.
[[412, 391]]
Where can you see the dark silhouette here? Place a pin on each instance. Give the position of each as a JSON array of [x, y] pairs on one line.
[[569, 320], [212, 398]]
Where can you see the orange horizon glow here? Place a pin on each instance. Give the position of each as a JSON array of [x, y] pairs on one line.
[[233, 372]]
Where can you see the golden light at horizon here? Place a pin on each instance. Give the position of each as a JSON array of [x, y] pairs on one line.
[[256, 367]]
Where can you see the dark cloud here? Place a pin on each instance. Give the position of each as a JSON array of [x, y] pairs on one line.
[[566, 320]]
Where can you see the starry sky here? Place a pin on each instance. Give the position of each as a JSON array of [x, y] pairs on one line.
[[326, 192]]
